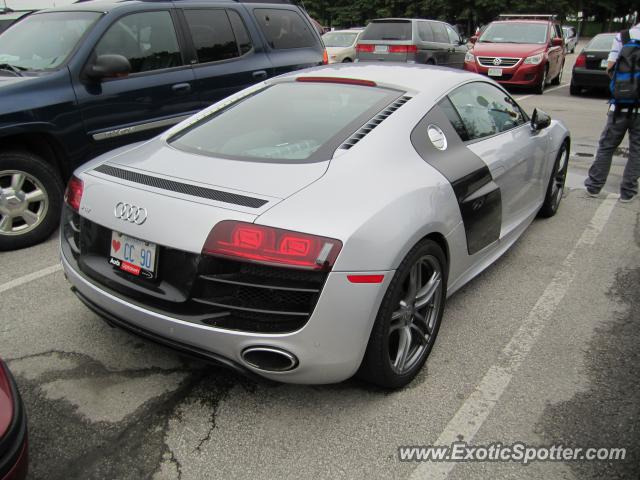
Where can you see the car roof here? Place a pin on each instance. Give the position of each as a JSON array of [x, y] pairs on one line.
[[109, 5], [524, 20]]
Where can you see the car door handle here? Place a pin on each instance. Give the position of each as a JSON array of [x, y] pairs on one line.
[[181, 88], [260, 74]]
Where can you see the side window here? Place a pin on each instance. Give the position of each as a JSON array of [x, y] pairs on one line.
[[451, 113], [284, 28], [485, 110], [439, 32], [148, 40], [424, 32], [454, 38], [239, 28], [212, 36]]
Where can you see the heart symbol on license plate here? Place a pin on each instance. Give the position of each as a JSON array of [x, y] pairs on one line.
[[115, 244]]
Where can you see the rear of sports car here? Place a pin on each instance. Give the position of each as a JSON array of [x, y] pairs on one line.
[[166, 240], [13, 429]]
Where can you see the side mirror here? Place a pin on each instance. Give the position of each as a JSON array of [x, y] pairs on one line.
[[109, 66], [539, 120], [473, 38], [463, 41], [557, 42]]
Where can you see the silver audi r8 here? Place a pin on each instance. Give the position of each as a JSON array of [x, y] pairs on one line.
[[311, 227]]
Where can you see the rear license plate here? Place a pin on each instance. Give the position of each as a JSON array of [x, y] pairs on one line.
[[133, 256], [495, 72], [603, 63], [381, 49]]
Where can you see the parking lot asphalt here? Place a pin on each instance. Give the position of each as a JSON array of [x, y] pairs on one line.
[[541, 348]]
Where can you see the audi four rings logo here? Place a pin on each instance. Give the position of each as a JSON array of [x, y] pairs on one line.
[[497, 61], [130, 213]]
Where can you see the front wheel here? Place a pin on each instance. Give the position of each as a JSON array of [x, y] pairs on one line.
[[555, 189], [409, 318], [539, 89], [30, 199]]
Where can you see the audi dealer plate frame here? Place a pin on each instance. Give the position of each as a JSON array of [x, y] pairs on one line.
[[495, 72], [132, 255]]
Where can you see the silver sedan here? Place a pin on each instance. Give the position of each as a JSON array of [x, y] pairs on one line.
[[311, 227]]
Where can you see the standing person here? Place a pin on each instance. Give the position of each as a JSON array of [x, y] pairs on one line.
[[620, 120]]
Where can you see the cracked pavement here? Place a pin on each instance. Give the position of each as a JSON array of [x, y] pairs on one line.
[[103, 404]]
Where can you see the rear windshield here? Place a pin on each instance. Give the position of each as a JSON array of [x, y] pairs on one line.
[[601, 43], [515, 32], [387, 30], [339, 39], [287, 122]]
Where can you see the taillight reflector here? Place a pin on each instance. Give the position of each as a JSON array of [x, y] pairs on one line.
[[262, 244], [365, 278], [581, 61], [325, 57], [346, 81], [365, 47], [73, 193], [403, 49]]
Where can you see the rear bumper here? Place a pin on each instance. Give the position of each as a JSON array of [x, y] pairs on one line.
[[582, 77], [13, 445], [329, 347], [519, 75]]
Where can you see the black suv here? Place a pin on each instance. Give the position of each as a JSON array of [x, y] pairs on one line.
[[81, 80]]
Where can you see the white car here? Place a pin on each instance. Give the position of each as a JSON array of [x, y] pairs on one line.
[[321, 240], [341, 45]]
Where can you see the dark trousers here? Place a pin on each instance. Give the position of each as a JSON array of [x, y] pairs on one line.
[[610, 139]]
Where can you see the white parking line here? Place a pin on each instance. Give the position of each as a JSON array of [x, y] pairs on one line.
[[475, 410], [519, 99], [30, 277]]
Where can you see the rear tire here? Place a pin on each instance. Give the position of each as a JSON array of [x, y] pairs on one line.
[[555, 189], [574, 89], [409, 317], [558, 79], [30, 199]]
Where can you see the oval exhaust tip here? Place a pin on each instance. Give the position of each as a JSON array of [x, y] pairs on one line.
[[270, 359]]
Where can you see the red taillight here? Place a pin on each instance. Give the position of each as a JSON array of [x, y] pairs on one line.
[[325, 57], [346, 81], [403, 49], [271, 245], [581, 61], [73, 194], [365, 48]]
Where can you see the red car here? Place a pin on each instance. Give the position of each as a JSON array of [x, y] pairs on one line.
[[526, 52], [13, 429]]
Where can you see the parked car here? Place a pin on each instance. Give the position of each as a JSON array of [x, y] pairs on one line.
[[525, 52], [326, 244], [81, 80], [13, 429], [411, 40], [590, 68], [9, 17], [341, 45], [570, 39]]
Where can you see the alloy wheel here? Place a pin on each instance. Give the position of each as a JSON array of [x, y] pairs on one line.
[[411, 330], [23, 202]]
